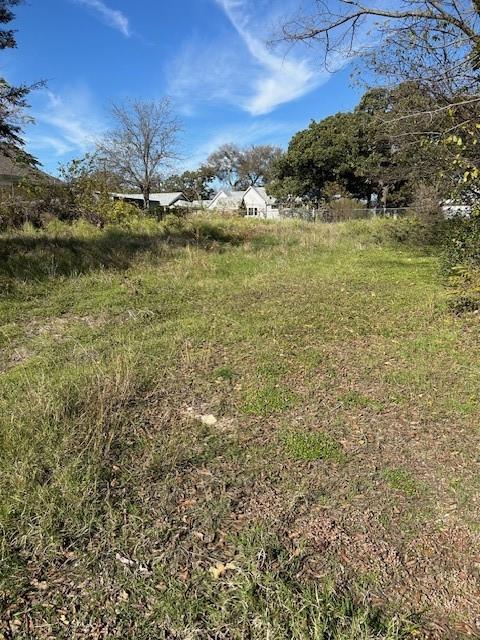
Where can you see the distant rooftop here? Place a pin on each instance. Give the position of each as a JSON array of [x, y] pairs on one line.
[[263, 192], [235, 195], [12, 171], [163, 199]]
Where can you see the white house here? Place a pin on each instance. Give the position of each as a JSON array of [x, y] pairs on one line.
[[227, 200], [259, 204], [256, 201]]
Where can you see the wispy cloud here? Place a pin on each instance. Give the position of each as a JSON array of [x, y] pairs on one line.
[[281, 79], [246, 73], [40, 143], [206, 72], [113, 17], [66, 124]]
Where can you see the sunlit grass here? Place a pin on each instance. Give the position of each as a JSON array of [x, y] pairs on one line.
[[307, 343]]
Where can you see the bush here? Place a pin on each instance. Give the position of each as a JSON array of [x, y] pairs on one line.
[[118, 212], [407, 231], [466, 289], [344, 208], [426, 206], [462, 243], [461, 262]]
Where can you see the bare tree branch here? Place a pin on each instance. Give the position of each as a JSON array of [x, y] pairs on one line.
[[142, 144]]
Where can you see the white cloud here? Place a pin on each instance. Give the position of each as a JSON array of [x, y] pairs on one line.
[[281, 79], [72, 116], [113, 17], [206, 72], [241, 70], [39, 143], [66, 123]]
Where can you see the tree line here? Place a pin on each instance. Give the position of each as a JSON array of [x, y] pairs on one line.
[[416, 127]]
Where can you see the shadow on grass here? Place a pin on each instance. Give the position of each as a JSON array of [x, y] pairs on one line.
[[38, 257]]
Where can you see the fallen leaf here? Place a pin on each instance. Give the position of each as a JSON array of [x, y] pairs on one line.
[[219, 569], [208, 419], [123, 560]]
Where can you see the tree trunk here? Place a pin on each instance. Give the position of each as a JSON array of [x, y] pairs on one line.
[[385, 189], [146, 198]]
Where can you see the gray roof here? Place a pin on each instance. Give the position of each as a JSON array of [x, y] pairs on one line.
[[167, 199], [236, 196], [196, 204], [231, 197], [263, 193], [163, 199], [13, 170]]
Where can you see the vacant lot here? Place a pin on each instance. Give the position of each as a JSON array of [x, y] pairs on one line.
[[235, 430]]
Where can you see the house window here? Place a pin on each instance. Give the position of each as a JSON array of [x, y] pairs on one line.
[[252, 211]]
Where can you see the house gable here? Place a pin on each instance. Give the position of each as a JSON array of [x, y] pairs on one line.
[[230, 200], [259, 204]]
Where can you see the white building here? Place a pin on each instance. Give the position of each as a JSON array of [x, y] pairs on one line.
[[257, 202], [227, 200]]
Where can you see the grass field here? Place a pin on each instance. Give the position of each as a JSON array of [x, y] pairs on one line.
[[232, 429]]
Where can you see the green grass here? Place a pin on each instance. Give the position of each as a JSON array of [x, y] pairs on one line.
[[268, 400], [328, 343], [312, 446], [225, 373], [402, 480]]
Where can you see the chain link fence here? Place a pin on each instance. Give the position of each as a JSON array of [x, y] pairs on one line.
[[339, 214]]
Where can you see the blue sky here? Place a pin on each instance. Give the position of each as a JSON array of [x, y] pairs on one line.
[[211, 56]]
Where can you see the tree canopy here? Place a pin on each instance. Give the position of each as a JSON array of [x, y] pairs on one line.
[[356, 152], [196, 185], [240, 168]]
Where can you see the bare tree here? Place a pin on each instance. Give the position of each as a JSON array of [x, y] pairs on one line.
[[435, 43], [143, 142]]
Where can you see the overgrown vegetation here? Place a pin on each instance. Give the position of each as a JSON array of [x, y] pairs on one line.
[[461, 262], [227, 428]]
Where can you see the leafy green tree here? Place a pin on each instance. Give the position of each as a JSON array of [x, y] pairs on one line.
[[256, 163], [12, 98], [367, 153], [239, 168], [327, 151], [430, 49], [196, 185]]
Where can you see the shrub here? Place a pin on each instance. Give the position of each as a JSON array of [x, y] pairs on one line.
[[462, 243], [460, 262], [344, 208], [465, 283], [118, 212], [426, 204], [426, 207], [407, 231], [174, 226]]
